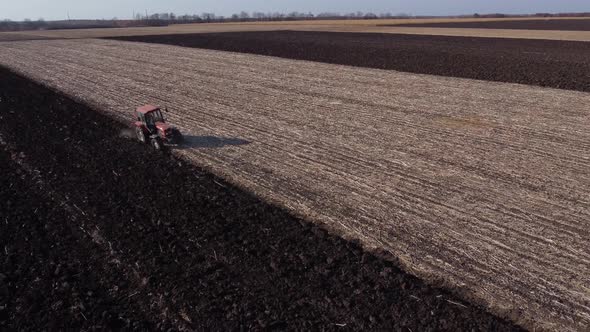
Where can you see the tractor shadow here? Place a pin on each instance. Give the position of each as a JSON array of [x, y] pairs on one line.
[[212, 142]]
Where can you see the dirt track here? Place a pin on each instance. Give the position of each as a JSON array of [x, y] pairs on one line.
[[96, 238], [555, 64], [540, 24], [480, 186]]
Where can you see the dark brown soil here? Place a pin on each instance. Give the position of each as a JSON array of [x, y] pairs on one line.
[[556, 64], [100, 232], [540, 24]]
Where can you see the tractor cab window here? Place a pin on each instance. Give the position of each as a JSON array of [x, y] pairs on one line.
[[149, 119], [158, 116], [152, 117]]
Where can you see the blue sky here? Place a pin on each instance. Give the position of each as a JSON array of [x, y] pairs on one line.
[[58, 9]]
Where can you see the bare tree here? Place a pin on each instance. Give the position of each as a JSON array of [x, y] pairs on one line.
[[259, 16], [208, 17], [295, 15], [8, 25], [329, 15], [276, 16], [244, 16]]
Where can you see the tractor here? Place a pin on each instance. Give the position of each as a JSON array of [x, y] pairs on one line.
[[150, 127]]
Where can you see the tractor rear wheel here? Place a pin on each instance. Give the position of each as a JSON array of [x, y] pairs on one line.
[[140, 134]]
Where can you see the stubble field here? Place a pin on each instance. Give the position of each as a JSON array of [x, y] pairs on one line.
[[478, 186]]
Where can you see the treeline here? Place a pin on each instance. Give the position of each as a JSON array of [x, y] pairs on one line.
[[260, 16], [7, 25], [292, 16]]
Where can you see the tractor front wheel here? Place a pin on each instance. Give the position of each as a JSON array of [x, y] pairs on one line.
[[140, 134], [157, 143]]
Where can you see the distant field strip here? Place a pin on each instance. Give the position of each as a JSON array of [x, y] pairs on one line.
[[539, 24], [375, 26], [480, 186], [583, 36]]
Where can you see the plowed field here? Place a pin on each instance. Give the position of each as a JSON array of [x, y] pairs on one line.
[[480, 186], [556, 64]]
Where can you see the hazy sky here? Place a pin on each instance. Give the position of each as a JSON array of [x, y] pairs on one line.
[[58, 9]]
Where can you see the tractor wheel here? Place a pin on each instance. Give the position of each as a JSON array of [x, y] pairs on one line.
[[140, 134], [157, 143]]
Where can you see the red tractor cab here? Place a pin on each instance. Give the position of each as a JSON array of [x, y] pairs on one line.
[[150, 127]]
